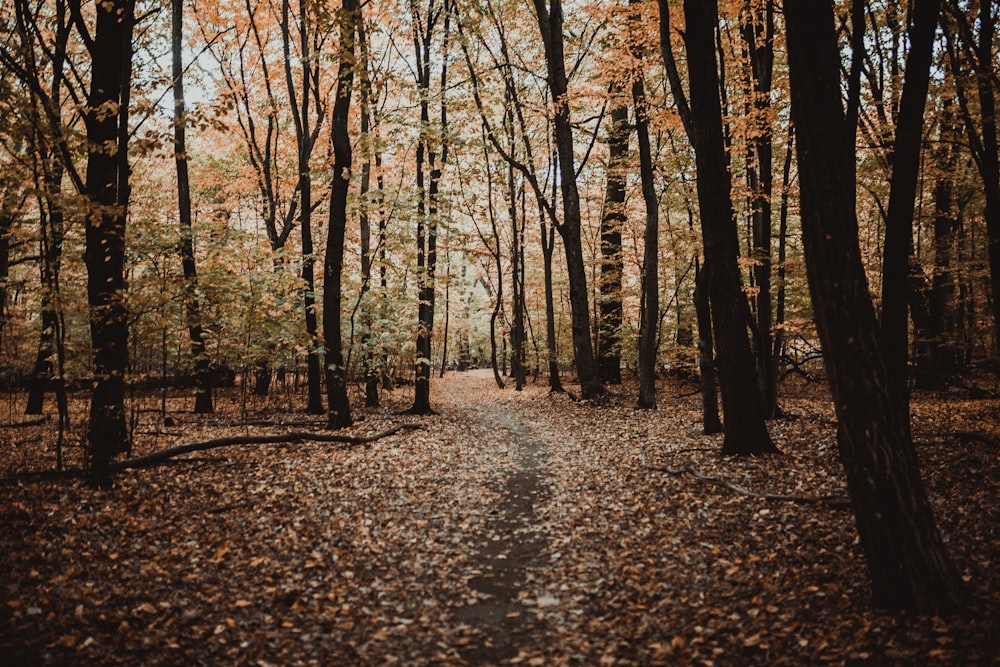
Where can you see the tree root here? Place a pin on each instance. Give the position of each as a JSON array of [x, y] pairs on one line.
[[837, 502], [155, 458]]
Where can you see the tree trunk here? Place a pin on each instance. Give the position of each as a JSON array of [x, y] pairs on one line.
[[758, 35], [744, 430], [548, 246], [908, 564], [107, 189], [650, 312], [612, 220], [550, 23], [706, 359], [339, 411], [202, 367], [902, 193]]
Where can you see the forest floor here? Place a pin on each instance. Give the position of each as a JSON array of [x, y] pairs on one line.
[[511, 528]]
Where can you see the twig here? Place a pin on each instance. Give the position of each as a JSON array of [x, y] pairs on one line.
[[155, 458], [838, 502]]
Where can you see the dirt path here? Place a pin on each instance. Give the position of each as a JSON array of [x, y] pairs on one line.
[[513, 528], [507, 555]]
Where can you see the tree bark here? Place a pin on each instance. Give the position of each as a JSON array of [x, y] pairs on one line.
[[907, 561], [650, 311], [107, 189], [744, 430], [192, 310], [613, 218], [550, 23], [902, 193], [758, 35], [339, 408]]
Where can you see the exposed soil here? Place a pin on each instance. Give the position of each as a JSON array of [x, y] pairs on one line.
[[512, 528]]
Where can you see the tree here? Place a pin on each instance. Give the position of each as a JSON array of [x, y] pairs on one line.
[[703, 312], [339, 409], [202, 368], [743, 419], [424, 28], [758, 37], [973, 58], [550, 24], [902, 193], [907, 561], [107, 189], [613, 219], [302, 98], [650, 309]]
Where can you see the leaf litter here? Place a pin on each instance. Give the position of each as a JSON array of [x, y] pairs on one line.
[[512, 528]]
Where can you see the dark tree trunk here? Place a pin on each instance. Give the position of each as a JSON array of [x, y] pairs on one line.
[[339, 412], [706, 359], [612, 220], [550, 23], [305, 139], [517, 332], [908, 564], [548, 246], [202, 367], [650, 312], [369, 362], [744, 430], [758, 35], [902, 193], [938, 355], [107, 189], [42, 371], [427, 200]]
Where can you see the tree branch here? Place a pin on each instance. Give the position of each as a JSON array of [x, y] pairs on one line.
[[158, 457]]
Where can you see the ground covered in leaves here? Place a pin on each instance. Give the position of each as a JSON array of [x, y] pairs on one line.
[[512, 527]]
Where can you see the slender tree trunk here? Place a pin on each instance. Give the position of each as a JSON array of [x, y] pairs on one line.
[[202, 368], [107, 189], [613, 218], [550, 23], [902, 193], [548, 235], [744, 430], [758, 34], [339, 411], [907, 561], [650, 313]]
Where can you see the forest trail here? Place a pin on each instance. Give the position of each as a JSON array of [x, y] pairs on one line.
[[508, 555], [513, 528]]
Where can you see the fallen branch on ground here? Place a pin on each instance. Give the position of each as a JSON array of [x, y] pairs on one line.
[[155, 458], [838, 502], [30, 422]]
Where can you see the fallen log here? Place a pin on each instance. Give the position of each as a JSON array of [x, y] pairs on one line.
[[155, 458], [30, 422]]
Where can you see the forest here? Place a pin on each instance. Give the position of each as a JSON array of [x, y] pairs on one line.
[[494, 331]]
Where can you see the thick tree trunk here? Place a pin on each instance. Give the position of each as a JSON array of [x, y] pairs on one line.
[[107, 189], [908, 563], [612, 220], [202, 367], [339, 410], [744, 430], [550, 23]]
